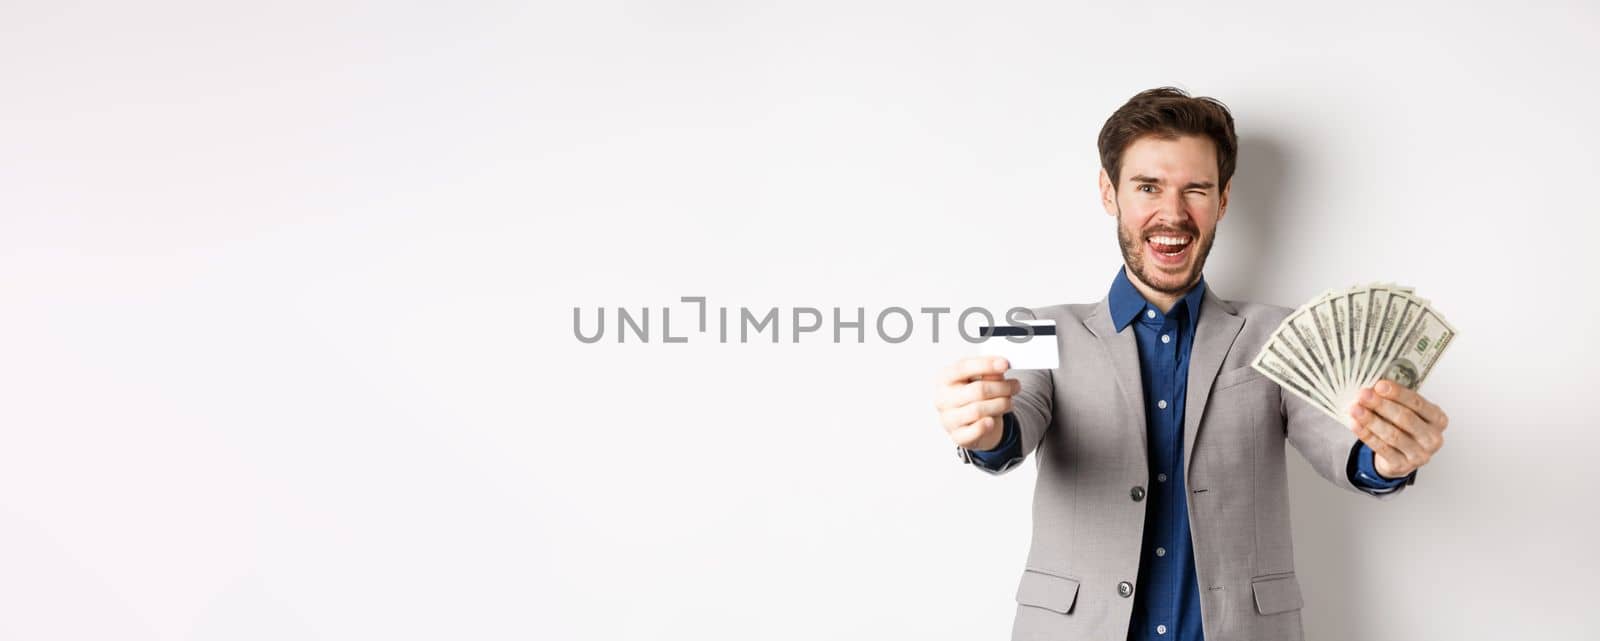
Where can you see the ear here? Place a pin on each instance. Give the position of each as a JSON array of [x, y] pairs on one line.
[[1108, 194], [1222, 204]]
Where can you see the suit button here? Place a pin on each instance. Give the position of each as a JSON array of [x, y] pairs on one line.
[[1137, 493], [1125, 589]]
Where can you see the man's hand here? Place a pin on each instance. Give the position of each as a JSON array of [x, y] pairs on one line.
[[1403, 429], [972, 397]]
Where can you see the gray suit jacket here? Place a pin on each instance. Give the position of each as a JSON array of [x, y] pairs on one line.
[[1084, 424]]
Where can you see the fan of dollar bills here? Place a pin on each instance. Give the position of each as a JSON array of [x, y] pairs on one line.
[[1344, 340]]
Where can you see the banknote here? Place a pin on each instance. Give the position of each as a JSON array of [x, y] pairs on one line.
[[1327, 350]]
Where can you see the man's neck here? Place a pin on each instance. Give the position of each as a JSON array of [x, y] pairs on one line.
[[1162, 301]]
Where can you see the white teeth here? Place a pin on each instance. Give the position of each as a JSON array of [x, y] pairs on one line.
[[1169, 240]]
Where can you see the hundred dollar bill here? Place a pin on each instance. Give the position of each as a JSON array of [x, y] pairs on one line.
[[1290, 377], [1288, 352], [1289, 345], [1339, 309], [1346, 308], [1360, 302], [1409, 314], [1306, 327], [1423, 346], [1322, 321], [1388, 304]]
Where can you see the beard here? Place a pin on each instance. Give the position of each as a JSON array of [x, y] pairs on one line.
[[1133, 256]]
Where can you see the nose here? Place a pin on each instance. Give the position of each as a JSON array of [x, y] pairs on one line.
[[1171, 210]]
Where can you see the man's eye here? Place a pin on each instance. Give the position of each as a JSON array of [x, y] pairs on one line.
[[1151, 189]]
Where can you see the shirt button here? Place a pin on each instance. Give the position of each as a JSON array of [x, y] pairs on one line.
[[1161, 404], [1149, 313], [1161, 551], [1161, 629], [1137, 493], [1165, 338], [1162, 477], [1125, 589]]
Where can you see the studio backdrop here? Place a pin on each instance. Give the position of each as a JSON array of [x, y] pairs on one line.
[[297, 297]]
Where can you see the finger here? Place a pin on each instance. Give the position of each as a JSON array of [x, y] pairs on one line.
[[973, 432], [986, 389], [958, 395], [1379, 447], [1404, 418], [1410, 451], [993, 406], [958, 417], [1409, 398], [971, 412], [948, 391], [972, 367], [1398, 466]]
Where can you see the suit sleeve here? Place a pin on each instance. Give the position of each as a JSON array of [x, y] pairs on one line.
[[1331, 448]]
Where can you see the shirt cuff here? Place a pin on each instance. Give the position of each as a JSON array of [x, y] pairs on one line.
[[1364, 472], [1005, 455]]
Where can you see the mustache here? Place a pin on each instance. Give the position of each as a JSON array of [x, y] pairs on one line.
[[1172, 231]]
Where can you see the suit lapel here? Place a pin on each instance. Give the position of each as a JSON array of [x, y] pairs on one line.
[[1123, 353], [1219, 325]]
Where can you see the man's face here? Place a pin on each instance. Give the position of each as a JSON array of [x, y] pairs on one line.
[[1167, 206]]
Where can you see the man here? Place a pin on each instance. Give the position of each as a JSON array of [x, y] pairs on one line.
[[1161, 509]]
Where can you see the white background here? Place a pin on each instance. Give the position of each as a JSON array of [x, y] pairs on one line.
[[287, 295]]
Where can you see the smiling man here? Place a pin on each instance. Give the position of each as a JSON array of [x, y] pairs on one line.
[[1161, 508]]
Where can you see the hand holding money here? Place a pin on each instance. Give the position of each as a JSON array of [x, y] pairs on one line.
[[1403, 429], [1359, 355]]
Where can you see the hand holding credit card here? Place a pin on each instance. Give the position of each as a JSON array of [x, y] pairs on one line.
[[974, 394]]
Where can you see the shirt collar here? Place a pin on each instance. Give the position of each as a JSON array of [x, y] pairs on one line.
[[1127, 303]]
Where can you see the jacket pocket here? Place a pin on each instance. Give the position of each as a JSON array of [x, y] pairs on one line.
[[1276, 593], [1048, 591], [1238, 376]]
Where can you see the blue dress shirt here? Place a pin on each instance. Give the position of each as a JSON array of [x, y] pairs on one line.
[[1166, 602]]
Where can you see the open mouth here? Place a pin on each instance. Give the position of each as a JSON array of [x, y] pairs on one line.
[[1169, 249]]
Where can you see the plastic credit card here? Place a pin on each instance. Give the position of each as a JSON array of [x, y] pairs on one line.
[[1013, 343]]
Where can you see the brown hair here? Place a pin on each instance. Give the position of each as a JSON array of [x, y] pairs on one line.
[[1168, 112]]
